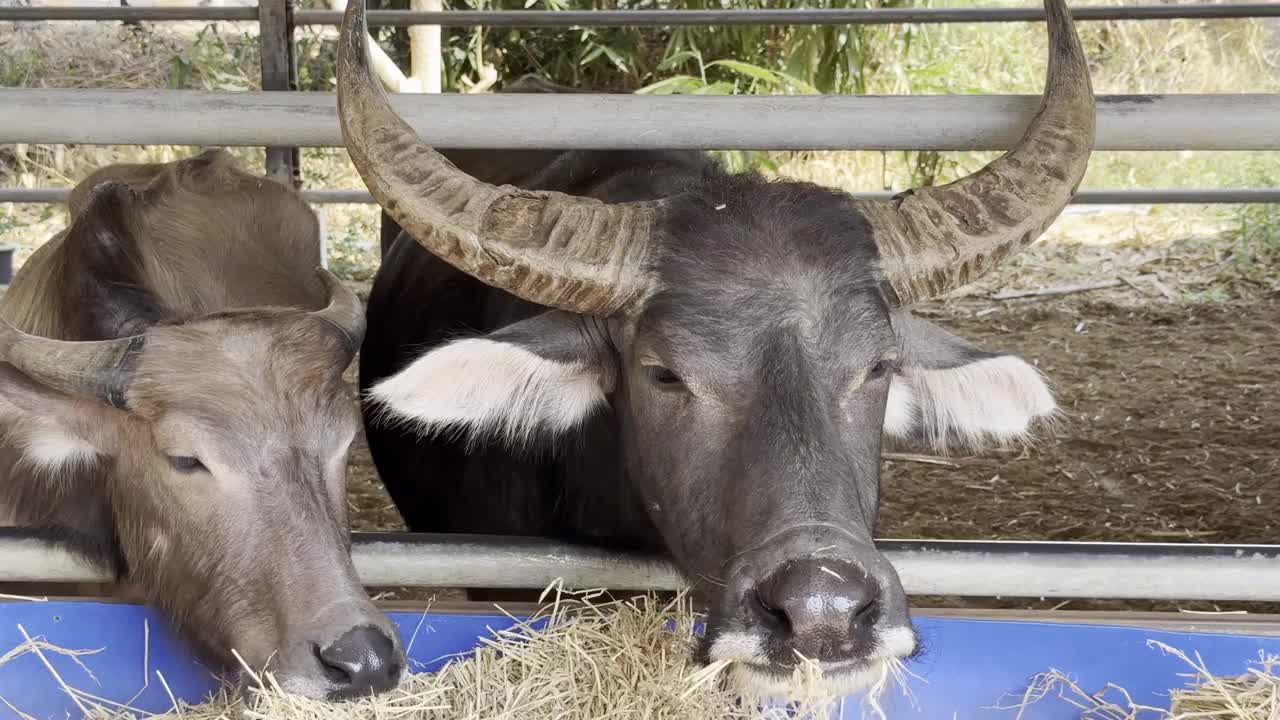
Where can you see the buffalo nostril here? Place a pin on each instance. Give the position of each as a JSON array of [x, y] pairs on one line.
[[866, 614], [774, 619], [362, 661]]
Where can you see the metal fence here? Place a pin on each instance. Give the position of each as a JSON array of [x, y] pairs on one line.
[[282, 121], [657, 18]]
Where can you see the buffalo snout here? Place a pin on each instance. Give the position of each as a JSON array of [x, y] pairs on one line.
[[363, 661], [811, 594]]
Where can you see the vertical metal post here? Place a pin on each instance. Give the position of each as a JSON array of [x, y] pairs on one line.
[[279, 72], [6, 264]]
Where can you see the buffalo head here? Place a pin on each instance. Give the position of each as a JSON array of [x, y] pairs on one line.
[[750, 344]]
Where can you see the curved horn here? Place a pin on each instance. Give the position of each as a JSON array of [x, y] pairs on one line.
[[344, 312], [557, 250], [936, 239], [98, 369]]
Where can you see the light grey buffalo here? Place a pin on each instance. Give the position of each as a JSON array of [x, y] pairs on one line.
[[172, 408]]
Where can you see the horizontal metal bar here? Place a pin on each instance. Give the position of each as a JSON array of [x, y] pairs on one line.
[[624, 121], [45, 195], [852, 16], [1177, 196], [129, 14], [1229, 623], [656, 18], [927, 567]]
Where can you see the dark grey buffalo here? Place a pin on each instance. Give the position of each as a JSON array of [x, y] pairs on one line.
[[640, 350], [172, 407]]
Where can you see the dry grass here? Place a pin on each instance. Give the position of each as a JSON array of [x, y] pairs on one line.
[[1252, 695], [581, 657], [584, 657]]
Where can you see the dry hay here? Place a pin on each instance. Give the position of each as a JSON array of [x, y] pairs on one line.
[[582, 657], [1252, 695], [579, 657]]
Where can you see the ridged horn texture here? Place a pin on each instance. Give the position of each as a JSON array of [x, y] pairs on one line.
[[935, 239], [567, 252], [98, 369], [344, 311]]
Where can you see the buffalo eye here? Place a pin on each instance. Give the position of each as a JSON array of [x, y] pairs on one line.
[[185, 464], [663, 377], [880, 369]]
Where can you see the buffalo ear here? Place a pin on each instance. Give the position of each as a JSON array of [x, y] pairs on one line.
[[53, 486], [540, 376], [50, 429], [950, 393]]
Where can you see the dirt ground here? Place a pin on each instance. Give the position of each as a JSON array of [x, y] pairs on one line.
[[1171, 433]]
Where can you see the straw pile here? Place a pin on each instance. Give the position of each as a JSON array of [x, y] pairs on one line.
[[581, 657], [1253, 695], [589, 659]]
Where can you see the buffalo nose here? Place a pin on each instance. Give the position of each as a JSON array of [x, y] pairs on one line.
[[362, 661], [823, 609]]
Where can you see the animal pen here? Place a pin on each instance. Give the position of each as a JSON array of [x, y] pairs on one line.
[[974, 657]]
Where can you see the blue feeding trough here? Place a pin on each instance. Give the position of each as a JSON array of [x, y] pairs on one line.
[[970, 667]]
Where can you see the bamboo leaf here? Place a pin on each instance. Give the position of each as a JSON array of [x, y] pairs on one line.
[[675, 60], [752, 71], [716, 88], [674, 85]]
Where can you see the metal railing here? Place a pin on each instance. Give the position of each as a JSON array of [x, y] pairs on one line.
[[1152, 571], [633, 122], [1172, 196], [283, 121], [655, 18]]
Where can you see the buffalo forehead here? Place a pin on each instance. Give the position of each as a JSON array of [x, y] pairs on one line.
[[738, 330], [258, 373]]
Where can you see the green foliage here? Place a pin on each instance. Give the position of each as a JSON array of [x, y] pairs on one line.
[[212, 63], [19, 66], [10, 223], [1256, 236], [316, 57], [353, 255], [830, 59]]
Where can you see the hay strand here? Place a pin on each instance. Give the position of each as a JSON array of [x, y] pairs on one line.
[[580, 656], [1252, 695]]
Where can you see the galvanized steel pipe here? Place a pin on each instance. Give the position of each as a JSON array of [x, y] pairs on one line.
[[934, 567], [626, 121], [654, 18], [1174, 196]]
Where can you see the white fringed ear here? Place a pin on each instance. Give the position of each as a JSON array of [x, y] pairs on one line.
[[51, 430], [993, 400], [491, 388]]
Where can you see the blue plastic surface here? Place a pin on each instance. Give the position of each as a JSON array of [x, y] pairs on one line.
[[969, 665]]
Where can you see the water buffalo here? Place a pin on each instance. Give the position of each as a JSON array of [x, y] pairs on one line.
[[640, 350], [173, 408]]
